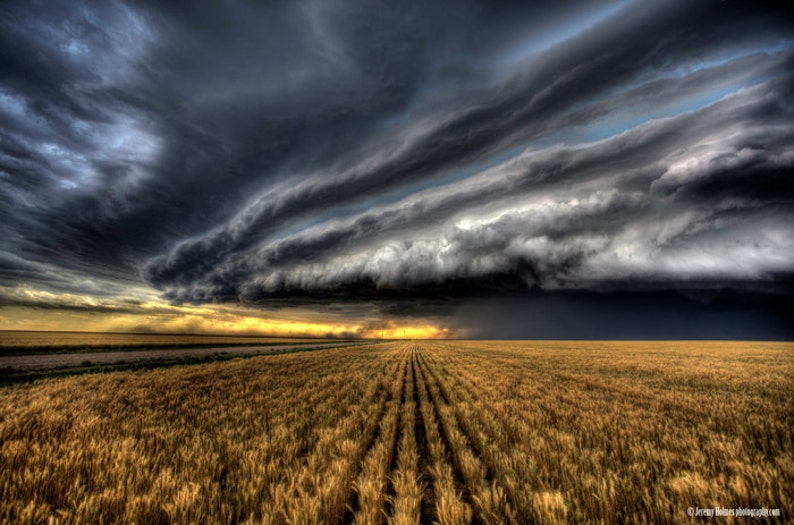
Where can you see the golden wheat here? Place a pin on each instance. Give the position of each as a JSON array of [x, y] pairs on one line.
[[414, 432]]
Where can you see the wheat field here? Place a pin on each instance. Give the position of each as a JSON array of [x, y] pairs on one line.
[[450, 432]]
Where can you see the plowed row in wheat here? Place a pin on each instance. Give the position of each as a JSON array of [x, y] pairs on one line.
[[417, 432]]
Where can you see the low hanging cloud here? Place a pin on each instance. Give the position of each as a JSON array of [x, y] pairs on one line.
[[351, 156]]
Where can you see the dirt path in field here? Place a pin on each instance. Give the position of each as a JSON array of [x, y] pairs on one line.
[[47, 361]]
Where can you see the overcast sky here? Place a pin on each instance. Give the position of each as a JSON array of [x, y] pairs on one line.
[[482, 169]]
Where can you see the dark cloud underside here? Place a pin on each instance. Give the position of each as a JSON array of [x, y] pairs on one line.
[[412, 158]]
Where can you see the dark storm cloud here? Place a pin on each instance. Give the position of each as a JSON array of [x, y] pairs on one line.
[[134, 125], [630, 316], [526, 104], [404, 156], [562, 214]]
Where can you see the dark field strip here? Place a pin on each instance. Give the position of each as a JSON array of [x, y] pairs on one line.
[[24, 368], [26, 342], [10, 351], [27, 362]]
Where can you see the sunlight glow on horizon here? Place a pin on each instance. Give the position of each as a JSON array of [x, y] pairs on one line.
[[47, 311], [408, 332]]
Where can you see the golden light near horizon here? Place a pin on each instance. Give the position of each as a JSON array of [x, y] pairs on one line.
[[409, 332], [280, 327], [70, 312], [196, 320]]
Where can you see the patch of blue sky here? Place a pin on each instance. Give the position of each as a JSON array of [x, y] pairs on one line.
[[553, 34], [12, 104], [717, 58], [620, 122]]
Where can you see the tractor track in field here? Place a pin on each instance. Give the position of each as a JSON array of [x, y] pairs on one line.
[[390, 489], [427, 394], [427, 507], [353, 506], [477, 452], [474, 444], [461, 487]]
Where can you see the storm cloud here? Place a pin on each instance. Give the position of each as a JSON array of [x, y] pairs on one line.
[[416, 159]]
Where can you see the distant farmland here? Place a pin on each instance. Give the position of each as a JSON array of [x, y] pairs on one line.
[[410, 432], [11, 340]]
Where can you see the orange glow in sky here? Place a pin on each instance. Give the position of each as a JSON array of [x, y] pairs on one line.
[[393, 331], [93, 314]]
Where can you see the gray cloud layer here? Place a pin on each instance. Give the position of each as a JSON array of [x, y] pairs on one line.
[[316, 152]]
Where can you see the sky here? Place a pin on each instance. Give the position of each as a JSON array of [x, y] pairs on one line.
[[492, 169]]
